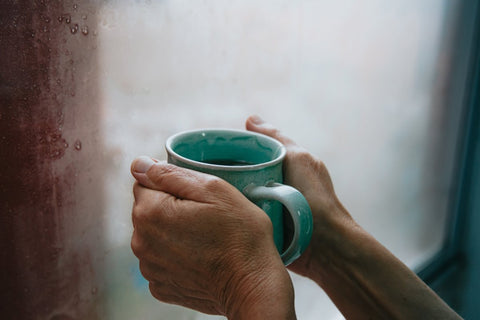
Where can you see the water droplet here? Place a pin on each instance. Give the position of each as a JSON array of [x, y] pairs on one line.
[[85, 30], [65, 145], [60, 18], [94, 290], [78, 145], [84, 17], [74, 29], [45, 29], [68, 19], [75, 6]]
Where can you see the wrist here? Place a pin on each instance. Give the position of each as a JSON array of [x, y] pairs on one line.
[[330, 227], [263, 293], [351, 266]]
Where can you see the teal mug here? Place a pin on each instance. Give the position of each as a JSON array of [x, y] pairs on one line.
[[251, 162]]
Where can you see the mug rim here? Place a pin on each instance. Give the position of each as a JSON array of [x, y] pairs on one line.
[[199, 164]]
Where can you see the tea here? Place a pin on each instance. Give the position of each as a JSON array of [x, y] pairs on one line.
[[228, 162]]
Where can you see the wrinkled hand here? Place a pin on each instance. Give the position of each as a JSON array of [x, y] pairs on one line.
[[203, 245], [310, 176], [361, 277]]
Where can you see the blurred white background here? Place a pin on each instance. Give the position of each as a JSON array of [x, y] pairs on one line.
[[354, 82]]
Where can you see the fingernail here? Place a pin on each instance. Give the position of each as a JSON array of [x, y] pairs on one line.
[[256, 119], [142, 164]]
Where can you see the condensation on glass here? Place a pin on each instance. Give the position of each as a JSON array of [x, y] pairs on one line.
[[52, 196], [87, 86]]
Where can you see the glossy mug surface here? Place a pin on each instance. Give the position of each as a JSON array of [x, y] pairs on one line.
[[251, 162]]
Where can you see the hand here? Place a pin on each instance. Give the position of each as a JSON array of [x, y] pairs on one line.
[[310, 176], [360, 276], [203, 245]]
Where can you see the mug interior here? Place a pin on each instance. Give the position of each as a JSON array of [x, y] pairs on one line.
[[225, 148]]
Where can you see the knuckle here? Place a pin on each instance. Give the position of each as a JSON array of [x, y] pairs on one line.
[[140, 213], [154, 290], [302, 155], [155, 210], [305, 158], [135, 189], [137, 246], [275, 132], [144, 270], [214, 184], [164, 210], [161, 172]]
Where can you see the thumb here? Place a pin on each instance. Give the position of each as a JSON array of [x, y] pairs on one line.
[[139, 169], [256, 124], [179, 182]]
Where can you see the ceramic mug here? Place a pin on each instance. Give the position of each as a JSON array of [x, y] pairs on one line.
[[251, 162]]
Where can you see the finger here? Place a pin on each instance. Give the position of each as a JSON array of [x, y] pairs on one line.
[[154, 211], [257, 124], [137, 188], [146, 246], [152, 271], [179, 182], [149, 195], [150, 205]]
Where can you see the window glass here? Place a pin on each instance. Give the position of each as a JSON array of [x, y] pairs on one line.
[[355, 83], [359, 84]]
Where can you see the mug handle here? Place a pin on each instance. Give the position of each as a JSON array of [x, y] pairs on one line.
[[298, 208]]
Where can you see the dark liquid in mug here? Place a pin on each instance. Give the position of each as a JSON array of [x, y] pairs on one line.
[[228, 162]]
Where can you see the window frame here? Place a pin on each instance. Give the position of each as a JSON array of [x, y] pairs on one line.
[[464, 94]]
